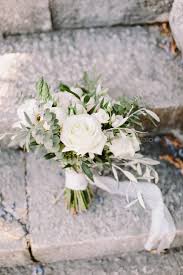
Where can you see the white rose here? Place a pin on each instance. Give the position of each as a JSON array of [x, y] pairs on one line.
[[124, 146], [83, 134], [30, 107], [101, 116]]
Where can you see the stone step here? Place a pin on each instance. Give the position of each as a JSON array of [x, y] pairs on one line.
[[13, 210], [34, 227], [131, 61], [73, 14], [124, 264], [107, 228], [24, 16], [44, 15], [176, 23]]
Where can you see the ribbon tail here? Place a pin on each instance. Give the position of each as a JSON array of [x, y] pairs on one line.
[[162, 230]]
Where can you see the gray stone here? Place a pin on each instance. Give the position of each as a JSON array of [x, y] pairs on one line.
[[107, 228], [12, 183], [19, 16], [13, 210], [132, 263], [79, 13], [176, 23], [57, 235], [129, 59]]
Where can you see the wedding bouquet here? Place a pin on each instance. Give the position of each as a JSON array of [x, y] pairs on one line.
[[87, 132]]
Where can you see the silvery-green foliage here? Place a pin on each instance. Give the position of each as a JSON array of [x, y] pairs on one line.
[[43, 90]]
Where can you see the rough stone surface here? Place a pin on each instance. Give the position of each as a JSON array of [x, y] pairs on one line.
[[79, 13], [130, 60], [176, 23], [19, 16], [107, 228], [131, 264], [13, 210]]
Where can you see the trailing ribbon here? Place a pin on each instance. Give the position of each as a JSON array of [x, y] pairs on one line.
[[162, 230]]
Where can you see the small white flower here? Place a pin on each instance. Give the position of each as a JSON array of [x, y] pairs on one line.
[[117, 121], [90, 104], [101, 116], [124, 146], [82, 134], [29, 107], [64, 100]]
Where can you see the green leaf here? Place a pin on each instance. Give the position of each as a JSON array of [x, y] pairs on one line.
[[48, 116], [84, 90], [90, 82], [27, 142], [86, 99], [39, 86], [92, 110], [67, 166], [28, 119], [49, 156], [87, 171], [43, 90], [65, 88], [153, 115], [129, 175], [102, 103]]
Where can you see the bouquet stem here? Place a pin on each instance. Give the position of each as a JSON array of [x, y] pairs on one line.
[[78, 200]]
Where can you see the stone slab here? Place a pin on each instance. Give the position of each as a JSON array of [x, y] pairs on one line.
[[79, 13], [13, 210], [107, 228], [19, 16], [176, 23], [130, 60], [123, 264]]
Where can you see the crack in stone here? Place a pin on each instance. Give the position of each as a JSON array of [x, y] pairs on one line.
[[51, 15], [27, 226], [9, 217]]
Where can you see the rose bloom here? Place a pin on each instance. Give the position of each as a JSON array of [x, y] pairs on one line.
[[82, 134], [124, 146]]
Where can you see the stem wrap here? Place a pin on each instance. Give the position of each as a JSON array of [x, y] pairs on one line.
[[75, 181]]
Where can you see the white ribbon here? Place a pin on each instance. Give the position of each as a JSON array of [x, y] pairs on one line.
[[162, 231], [75, 181]]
